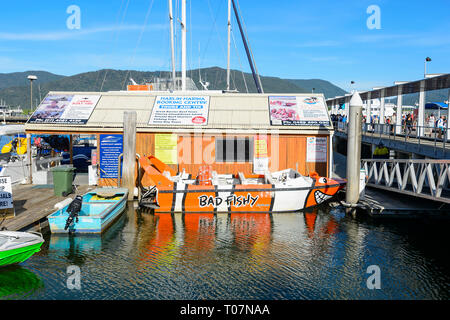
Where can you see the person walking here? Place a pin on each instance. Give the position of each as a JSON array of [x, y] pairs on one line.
[[408, 123]]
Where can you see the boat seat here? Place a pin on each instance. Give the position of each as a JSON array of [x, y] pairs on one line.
[[242, 177], [268, 177], [106, 194]]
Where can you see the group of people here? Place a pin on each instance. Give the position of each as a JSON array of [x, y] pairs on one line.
[[432, 126]]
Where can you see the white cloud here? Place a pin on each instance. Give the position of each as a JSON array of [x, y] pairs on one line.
[[70, 34]]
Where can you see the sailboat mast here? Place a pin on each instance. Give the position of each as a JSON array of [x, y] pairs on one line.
[[249, 57], [172, 43], [183, 45], [229, 45]]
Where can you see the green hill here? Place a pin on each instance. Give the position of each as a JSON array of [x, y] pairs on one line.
[[20, 78], [323, 86], [16, 91]]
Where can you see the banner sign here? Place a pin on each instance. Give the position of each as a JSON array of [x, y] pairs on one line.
[[65, 109], [180, 110], [298, 111], [166, 148], [111, 146], [316, 149], [6, 199], [260, 155]]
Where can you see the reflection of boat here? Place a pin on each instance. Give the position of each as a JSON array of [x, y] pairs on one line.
[[16, 247], [281, 191], [253, 231], [18, 282], [99, 209], [200, 230]]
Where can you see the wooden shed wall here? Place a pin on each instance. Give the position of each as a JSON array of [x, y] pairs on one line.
[[291, 154]]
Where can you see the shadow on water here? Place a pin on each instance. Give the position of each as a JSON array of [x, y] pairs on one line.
[[17, 282]]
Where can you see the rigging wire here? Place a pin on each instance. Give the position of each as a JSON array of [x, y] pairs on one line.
[[117, 21], [248, 43], [139, 39], [239, 59], [115, 40]]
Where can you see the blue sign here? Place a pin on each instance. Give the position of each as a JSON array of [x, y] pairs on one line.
[[111, 146]]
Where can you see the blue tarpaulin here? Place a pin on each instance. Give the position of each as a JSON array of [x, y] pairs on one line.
[[436, 105]]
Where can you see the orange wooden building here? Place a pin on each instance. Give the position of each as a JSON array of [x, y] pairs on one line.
[[232, 132]]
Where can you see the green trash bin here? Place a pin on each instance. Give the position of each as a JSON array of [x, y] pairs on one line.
[[62, 179]]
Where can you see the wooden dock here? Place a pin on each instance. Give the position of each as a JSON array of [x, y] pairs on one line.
[[32, 204]]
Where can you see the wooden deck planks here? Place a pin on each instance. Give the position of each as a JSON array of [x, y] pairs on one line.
[[32, 204]]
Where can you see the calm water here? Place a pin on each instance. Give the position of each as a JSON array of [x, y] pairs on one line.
[[321, 254]]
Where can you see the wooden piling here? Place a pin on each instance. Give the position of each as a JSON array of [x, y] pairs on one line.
[[129, 151]]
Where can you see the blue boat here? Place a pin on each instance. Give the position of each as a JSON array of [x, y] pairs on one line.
[[99, 209]]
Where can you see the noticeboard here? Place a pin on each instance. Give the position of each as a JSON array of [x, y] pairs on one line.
[[180, 110], [316, 149], [111, 146], [298, 111], [65, 109], [6, 198]]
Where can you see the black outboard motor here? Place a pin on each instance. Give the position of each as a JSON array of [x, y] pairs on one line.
[[73, 210]]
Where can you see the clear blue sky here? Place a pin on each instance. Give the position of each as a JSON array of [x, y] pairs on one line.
[[301, 39]]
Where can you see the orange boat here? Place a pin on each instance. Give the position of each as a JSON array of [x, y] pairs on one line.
[[281, 191]]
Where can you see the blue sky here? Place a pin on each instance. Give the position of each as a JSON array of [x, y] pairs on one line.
[[290, 39]]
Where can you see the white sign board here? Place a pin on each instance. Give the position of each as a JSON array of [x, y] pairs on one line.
[[65, 109], [6, 199], [180, 110], [298, 111], [316, 149]]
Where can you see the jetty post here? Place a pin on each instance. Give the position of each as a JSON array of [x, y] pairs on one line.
[[129, 151], [354, 149]]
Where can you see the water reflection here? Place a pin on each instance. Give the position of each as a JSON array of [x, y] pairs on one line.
[[316, 254], [17, 282]]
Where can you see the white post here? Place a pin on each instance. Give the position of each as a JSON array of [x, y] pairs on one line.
[[369, 107], [129, 151], [29, 164], [382, 100], [399, 111], [229, 44], [172, 44], [354, 149], [183, 45], [421, 112], [448, 116]]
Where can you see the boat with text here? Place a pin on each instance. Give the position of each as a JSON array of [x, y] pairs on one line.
[[281, 191]]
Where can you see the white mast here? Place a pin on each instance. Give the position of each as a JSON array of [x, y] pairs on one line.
[[172, 43], [183, 45], [229, 32]]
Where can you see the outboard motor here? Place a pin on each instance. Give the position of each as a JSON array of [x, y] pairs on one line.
[[73, 209]]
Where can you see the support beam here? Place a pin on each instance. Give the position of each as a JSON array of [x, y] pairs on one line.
[[354, 149], [382, 102], [399, 111], [421, 111], [29, 164], [369, 107], [129, 151]]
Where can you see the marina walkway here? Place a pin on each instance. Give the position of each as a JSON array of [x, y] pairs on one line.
[[33, 203]]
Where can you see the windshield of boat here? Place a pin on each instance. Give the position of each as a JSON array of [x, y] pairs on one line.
[[3, 240]]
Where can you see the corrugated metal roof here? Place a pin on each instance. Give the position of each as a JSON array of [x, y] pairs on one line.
[[236, 111]]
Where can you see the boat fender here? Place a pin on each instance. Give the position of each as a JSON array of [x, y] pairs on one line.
[[63, 203]]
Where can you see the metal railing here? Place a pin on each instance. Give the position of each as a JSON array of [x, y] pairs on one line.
[[424, 178], [427, 135]]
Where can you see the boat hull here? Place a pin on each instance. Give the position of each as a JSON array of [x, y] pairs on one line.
[[18, 255], [94, 217], [242, 198]]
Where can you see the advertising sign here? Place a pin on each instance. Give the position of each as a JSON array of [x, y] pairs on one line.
[[65, 109], [180, 110], [6, 199], [298, 111], [316, 149], [261, 157], [166, 148], [111, 146]]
